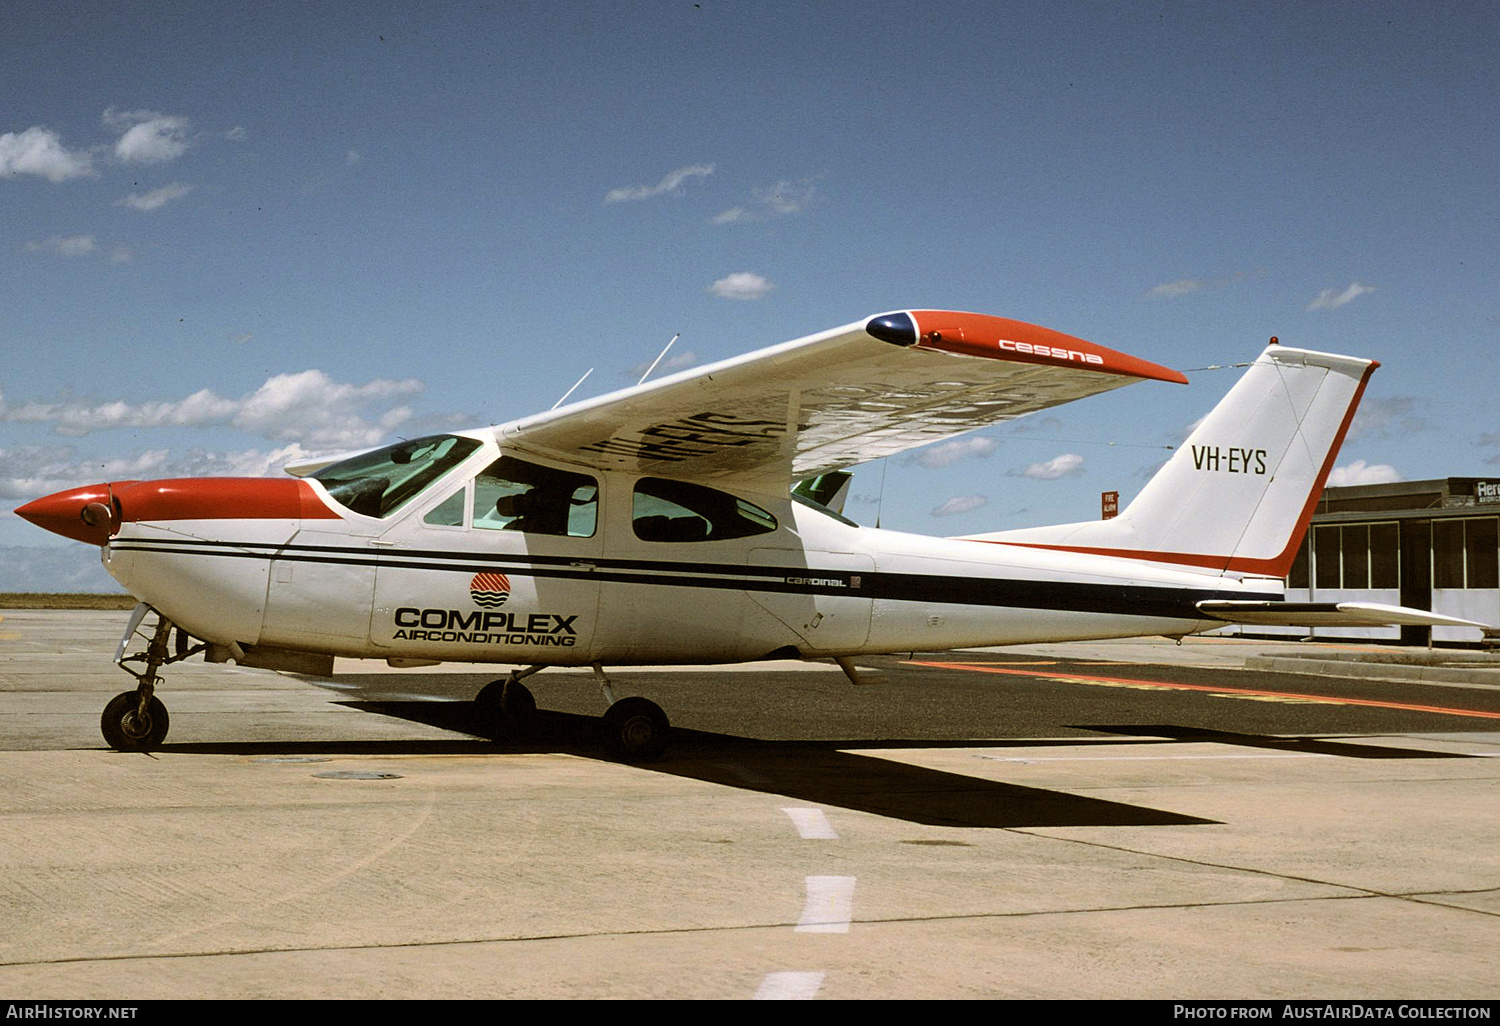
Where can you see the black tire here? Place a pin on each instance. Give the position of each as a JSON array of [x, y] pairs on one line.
[[635, 730], [518, 707], [504, 711], [488, 720], [126, 731]]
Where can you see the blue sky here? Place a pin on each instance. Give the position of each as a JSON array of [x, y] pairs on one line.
[[230, 235]]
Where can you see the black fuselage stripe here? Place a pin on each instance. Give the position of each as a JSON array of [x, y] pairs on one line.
[[1069, 596]]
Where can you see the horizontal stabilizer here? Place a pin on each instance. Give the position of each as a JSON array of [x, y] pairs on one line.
[[1328, 614]]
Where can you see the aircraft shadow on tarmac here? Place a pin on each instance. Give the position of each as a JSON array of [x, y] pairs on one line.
[[1310, 745], [825, 772], [819, 772]]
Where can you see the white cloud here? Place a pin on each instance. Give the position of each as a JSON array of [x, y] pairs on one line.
[[1331, 299], [65, 245], [960, 504], [1491, 440], [671, 184], [1026, 424], [787, 197], [741, 285], [236, 134], [1361, 473], [946, 454], [39, 151], [1187, 286], [308, 408], [148, 137], [1381, 416], [1173, 289], [783, 198], [1069, 464], [156, 198], [28, 473], [677, 361], [54, 569]]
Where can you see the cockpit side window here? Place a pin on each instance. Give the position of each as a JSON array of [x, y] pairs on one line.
[[678, 511], [514, 495], [449, 512], [379, 483]]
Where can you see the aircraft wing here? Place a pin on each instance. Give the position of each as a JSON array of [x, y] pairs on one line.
[[1328, 614], [873, 388]]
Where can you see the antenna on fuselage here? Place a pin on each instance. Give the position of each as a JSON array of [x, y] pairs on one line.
[[658, 359], [574, 388]]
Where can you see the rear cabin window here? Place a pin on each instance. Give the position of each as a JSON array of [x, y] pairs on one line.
[[378, 483], [514, 495], [677, 511]]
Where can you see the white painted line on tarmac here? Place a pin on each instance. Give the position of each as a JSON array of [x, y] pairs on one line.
[[828, 906], [811, 824], [789, 986]]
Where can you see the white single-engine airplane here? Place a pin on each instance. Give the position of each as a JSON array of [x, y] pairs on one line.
[[664, 523]]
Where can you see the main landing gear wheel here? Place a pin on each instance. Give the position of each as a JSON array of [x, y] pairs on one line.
[[506, 710], [127, 728], [635, 730]]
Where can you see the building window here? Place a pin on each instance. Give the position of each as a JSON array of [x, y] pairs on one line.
[[1297, 576], [1385, 556], [1326, 557], [1481, 552], [1447, 553], [1356, 549], [1351, 556], [1464, 554]]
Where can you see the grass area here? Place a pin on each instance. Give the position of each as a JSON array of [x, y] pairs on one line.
[[37, 600]]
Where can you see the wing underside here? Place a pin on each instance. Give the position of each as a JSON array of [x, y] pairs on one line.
[[869, 389]]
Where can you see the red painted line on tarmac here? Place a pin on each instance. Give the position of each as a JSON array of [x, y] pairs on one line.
[[1086, 679]]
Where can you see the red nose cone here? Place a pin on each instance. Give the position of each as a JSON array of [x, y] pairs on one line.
[[63, 513]]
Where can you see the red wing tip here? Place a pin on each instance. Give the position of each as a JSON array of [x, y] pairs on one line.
[[999, 338]]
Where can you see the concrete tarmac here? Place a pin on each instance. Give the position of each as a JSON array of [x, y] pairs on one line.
[[287, 842]]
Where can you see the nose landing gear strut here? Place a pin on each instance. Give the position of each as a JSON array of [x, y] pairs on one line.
[[136, 721]]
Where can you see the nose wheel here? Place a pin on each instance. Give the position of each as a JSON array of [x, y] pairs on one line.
[[130, 724], [136, 721]]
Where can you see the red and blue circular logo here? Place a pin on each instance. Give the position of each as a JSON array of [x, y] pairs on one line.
[[489, 590]]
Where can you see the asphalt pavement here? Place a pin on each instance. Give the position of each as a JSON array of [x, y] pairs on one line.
[[1113, 820]]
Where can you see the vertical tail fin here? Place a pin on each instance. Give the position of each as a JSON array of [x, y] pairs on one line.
[[1237, 496]]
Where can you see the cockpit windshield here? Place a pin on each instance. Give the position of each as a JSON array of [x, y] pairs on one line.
[[379, 483]]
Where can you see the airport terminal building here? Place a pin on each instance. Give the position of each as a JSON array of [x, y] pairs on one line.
[[1429, 544]]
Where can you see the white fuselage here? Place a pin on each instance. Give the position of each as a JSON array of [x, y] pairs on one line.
[[432, 582]]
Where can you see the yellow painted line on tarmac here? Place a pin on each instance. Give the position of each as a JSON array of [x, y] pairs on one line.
[[1246, 693]]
